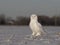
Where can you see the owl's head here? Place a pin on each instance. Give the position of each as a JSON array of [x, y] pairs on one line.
[[33, 17]]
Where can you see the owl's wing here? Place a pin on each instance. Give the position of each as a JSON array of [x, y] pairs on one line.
[[41, 28]]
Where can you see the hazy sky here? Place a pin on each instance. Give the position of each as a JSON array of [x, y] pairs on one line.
[[27, 7]]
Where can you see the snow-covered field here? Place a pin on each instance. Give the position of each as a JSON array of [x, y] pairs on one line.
[[17, 35]]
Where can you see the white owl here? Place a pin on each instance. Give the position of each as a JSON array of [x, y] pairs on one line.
[[35, 26]]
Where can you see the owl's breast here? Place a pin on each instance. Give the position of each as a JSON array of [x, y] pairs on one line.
[[34, 27]]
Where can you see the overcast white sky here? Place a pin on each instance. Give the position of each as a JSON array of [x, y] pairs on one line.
[[26, 7]]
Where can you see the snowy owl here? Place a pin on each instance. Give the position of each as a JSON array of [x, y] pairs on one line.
[[35, 26]]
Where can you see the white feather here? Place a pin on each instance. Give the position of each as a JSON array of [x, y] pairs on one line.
[[35, 26]]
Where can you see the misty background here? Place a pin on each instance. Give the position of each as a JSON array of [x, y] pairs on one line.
[[15, 8]]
